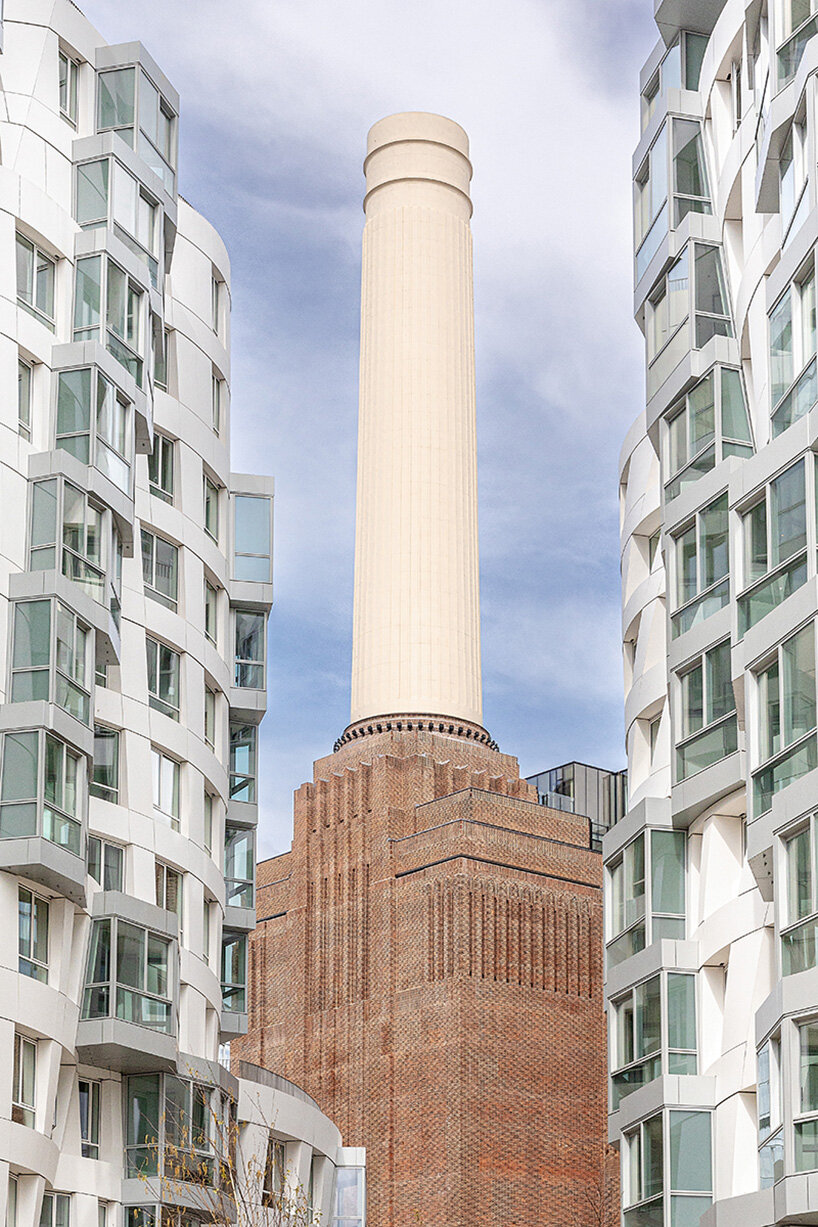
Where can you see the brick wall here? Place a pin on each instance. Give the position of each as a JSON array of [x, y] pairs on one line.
[[428, 965]]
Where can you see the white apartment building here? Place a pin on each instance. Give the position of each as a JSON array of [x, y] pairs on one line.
[[712, 876], [135, 584]]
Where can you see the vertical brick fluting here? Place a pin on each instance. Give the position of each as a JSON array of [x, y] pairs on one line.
[[428, 966]]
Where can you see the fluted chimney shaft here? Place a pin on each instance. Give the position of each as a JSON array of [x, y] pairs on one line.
[[416, 638]]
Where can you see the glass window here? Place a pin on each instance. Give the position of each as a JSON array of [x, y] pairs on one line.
[[23, 1082], [84, 534], [105, 780], [211, 604], [243, 762], [632, 897], [163, 678], [253, 538], [159, 569], [169, 891], [128, 975], [775, 546], [234, 973], [32, 913], [11, 1202], [165, 787], [707, 715], [208, 822], [709, 425], [793, 385], [49, 805], [644, 1163], [205, 929], [157, 123], [627, 902], [217, 290], [160, 467], [651, 203], [691, 1165], [770, 1133], [211, 508], [69, 71], [349, 1196], [55, 1210], [217, 401], [691, 192], [94, 424], [274, 1169], [668, 307], [239, 866], [35, 280], [786, 718], [710, 297], [250, 649], [702, 566], [103, 291], [116, 102], [23, 399], [210, 716], [106, 863], [32, 657], [92, 193], [174, 1128], [89, 1094]]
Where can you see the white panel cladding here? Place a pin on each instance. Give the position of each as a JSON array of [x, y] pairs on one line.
[[699, 736]]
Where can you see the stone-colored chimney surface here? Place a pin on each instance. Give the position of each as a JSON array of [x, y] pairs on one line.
[[416, 638]]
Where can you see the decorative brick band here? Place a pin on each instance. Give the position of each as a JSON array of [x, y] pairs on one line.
[[414, 722]]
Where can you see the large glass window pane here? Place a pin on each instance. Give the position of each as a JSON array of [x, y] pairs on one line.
[[809, 1067], [692, 701], [92, 193], [690, 1152], [668, 872], [789, 514], [652, 1158], [686, 582], [87, 297], [116, 99], [130, 955], [734, 421], [681, 1012], [782, 369], [799, 876], [798, 689], [713, 528], [720, 696]]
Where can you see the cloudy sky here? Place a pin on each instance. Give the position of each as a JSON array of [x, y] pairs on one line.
[[277, 97]]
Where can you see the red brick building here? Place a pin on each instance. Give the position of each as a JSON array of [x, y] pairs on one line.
[[427, 965]]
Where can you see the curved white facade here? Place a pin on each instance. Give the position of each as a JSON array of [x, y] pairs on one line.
[[712, 912], [135, 584]]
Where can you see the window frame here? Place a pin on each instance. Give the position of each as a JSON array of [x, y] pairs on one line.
[[787, 751], [70, 109], [23, 1105], [158, 759], [167, 446], [154, 648], [89, 1128], [104, 453], [40, 260], [29, 964], [113, 990], [107, 871], [150, 563], [686, 608], [710, 723]]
